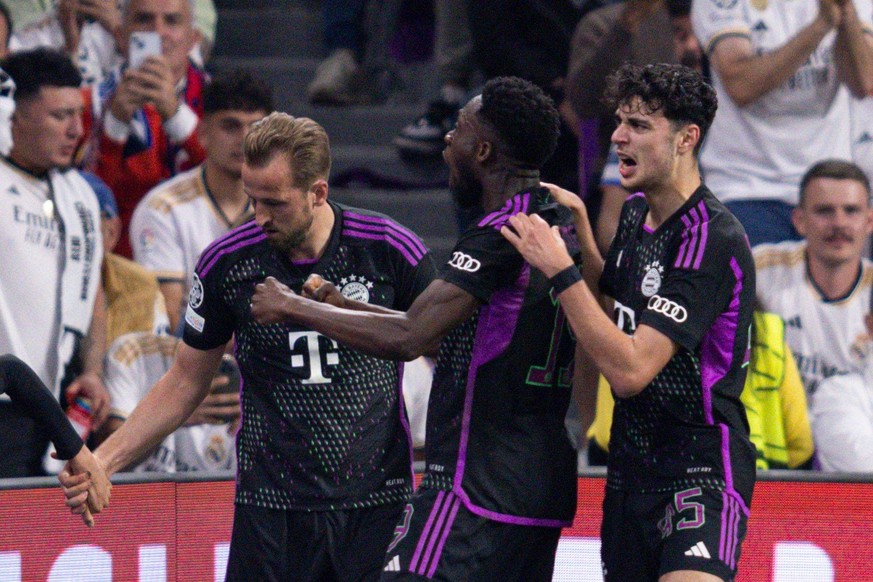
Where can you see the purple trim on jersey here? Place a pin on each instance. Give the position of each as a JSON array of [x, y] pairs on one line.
[[520, 203], [245, 230], [404, 422], [695, 234], [304, 262], [717, 346], [425, 533], [401, 239], [506, 518], [226, 250], [648, 228], [497, 321]]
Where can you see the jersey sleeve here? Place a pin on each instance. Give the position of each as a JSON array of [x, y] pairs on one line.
[[155, 242], [694, 294], [713, 20], [412, 279], [208, 319], [482, 262]]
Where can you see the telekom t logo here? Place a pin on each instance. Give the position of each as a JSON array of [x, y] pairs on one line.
[[308, 342]]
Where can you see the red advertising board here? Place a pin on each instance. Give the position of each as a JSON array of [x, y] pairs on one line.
[[799, 531]]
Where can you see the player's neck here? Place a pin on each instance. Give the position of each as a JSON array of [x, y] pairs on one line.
[[226, 190], [668, 197], [834, 281], [500, 186], [323, 220]]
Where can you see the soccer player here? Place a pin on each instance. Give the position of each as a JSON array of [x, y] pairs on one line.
[[500, 481], [324, 458], [681, 469]]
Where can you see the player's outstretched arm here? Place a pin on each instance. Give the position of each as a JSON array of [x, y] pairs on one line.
[[628, 362], [166, 407], [393, 335]]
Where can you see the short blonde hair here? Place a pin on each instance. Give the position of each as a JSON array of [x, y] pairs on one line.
[[301, 140]]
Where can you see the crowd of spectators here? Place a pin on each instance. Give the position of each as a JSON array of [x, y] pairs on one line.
[[116, 177]]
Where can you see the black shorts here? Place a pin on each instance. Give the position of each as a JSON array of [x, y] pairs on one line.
[[644, 536], [438, 538], [345, 545]]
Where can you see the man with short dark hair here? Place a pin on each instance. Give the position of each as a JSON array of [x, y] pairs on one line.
[[50, 296], [680, 273], [178, 218], [820, 286], [500, 481]]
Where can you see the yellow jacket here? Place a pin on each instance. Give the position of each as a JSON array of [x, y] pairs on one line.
[[773, 396], [133, 299]]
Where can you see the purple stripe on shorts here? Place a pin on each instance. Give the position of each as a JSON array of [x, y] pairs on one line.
[[722, 538], [435, 510], [440, 529], [225, 250], [368, 235], [445, 535], [243, 231], [371, 223]]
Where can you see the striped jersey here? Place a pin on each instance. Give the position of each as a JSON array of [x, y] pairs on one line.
[[495, 423], [827, 337], [692, 279], [323, 427]]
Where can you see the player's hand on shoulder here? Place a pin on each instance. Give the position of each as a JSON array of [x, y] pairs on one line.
[[539, 244], [273, 302], [317, 289], [566, 198]]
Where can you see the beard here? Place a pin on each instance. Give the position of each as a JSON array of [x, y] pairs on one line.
[[293, 239]]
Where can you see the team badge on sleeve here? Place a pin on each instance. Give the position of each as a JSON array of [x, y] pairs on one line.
[[195, 296]]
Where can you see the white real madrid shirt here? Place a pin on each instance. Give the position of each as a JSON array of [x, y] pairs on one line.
[[173, 224], [826, 337], [32, 251], [761, 151], [134, 363]]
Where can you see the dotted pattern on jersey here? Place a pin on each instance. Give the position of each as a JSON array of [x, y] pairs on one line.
[[446, 404], [674, 393], [347, 425]]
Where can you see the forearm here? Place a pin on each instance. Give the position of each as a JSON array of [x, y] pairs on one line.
[[853, 54], [592, 260], [375, 331], [750, 76], [164, 409], [27, 391], [94, 344]]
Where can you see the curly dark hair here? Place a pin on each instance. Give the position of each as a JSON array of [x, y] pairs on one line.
[[41, 67], [238, 89], [678, 91], [524, 118]]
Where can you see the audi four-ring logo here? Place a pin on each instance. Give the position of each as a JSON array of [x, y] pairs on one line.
[[664, 306], [464, 262]]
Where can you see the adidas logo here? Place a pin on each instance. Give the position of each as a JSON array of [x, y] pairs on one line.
[[699, 550], [393, 565], [760, 26], [13, 190], [794, 322], [865, 137]]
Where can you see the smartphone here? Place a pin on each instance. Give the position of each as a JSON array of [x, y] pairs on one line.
[[228, 368], [142, 45]]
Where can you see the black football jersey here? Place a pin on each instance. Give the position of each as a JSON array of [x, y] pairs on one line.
[[323, 426], [495, 422], [692, 279]]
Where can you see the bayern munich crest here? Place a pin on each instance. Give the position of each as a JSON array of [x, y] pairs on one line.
[[652, 279], [195, 296], [356, 288]]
